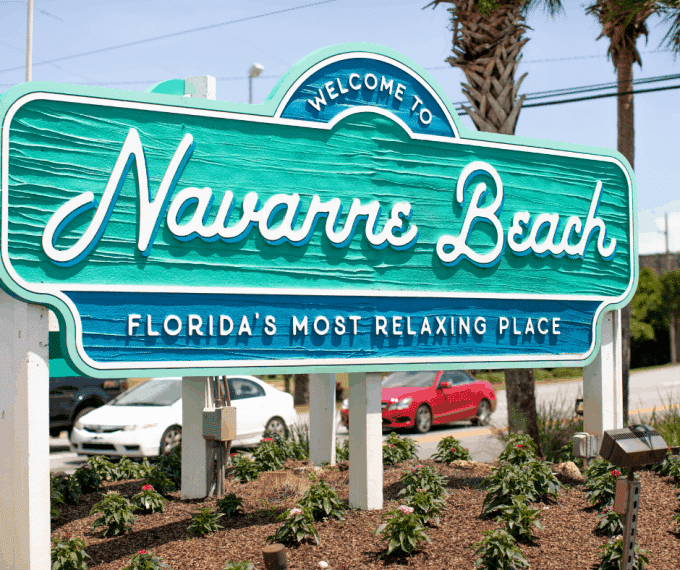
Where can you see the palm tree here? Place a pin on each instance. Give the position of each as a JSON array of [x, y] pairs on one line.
[[488, 37], [623, 22]]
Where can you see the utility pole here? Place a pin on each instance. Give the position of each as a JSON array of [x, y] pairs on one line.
[[29, 41]]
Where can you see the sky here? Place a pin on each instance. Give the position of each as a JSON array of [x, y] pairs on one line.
[[563, 52]]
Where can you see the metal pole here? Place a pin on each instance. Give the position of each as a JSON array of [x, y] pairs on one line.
[[29, 41], [250, 90], [630, 519]]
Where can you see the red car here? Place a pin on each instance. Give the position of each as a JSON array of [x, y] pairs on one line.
[[420, 399]]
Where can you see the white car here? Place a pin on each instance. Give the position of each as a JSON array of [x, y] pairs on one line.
[[147, 419]]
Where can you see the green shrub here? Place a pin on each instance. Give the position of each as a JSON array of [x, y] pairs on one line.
[[342, 451], [406, 448], [116, 514], [499, 551], [269, 454], [611, 523], [610, 559], [239, 565], [677, 519], [426, 506], [244, 469], [504, 482], [88, 478], [230, 505], [149, 501], [423, 478], [128, 469], [520, 519], [161, 479], [404, 531], [668, 466], [204, 522], [449, 450], [546, 485], [69, 553], [602, 489], [68, 487], [322, 502], [56, 498], [103, 467], [171, 463], [519, 449], [145, 560], [597, 467], [298, 525]]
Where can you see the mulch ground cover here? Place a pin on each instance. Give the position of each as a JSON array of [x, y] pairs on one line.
[[568, 541]]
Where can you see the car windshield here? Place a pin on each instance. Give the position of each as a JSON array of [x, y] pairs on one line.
[[151, 393], [409, 380]]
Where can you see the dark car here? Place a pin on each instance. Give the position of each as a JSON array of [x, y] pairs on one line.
[[421, 399], [74, 396]]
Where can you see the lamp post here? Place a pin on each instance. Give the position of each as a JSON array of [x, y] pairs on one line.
[[254, 71]]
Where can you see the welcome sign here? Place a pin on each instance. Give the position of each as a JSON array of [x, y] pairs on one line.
[[349, 222]]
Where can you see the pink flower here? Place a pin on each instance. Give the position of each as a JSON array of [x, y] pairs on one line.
[[615, 473], [294, 512], [467, 449], [520, 446], [148, 488], [234, 454], [68, 535], [268, 439], [406, 509], [142, 552], [417, 467]]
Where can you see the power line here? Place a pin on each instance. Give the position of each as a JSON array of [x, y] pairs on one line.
[[601, 96], [171, 35], [589, 88]]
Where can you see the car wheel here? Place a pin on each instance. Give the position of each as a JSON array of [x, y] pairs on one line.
[[276, 426], [172, 437], [483, 414], [423, 419]]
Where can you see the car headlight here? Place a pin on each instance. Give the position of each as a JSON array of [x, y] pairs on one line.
[[401, 404], [132, 428], [78, 425]]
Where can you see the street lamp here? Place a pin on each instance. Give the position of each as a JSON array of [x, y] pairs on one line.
[[254, 71]]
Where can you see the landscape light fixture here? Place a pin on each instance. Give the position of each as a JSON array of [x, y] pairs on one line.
[[254, 71]]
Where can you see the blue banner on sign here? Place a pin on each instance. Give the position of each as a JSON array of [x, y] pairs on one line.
[[235, 329]]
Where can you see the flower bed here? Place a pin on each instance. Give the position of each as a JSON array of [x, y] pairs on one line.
[[569, 539]]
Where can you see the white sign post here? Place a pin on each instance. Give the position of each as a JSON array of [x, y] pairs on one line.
[[365, 441], [24, 443], [322, 419], [602, 380]]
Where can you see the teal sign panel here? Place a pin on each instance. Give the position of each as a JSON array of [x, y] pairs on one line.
[[351, 222]]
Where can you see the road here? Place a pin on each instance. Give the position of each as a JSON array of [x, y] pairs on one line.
[[648, 389]]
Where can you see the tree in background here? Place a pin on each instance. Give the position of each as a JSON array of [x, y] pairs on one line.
[[670, 299], [645, 303], [488, 37], [623, 22]]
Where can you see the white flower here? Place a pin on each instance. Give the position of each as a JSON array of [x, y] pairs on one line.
[[406, 509], [323, 564], [294, 512]]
